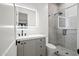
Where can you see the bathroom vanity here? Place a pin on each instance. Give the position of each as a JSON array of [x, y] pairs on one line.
[[28, 45], [31, 46]]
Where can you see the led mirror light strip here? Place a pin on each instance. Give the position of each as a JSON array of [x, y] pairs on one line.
[[25, 7]]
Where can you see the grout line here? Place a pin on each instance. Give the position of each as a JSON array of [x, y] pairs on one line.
[[6, 51]]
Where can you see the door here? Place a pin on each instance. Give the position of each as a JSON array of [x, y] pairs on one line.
[[7, 30]]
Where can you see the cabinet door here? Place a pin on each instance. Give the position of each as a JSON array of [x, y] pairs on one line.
[[20, 48], [29, 48], [40, 47], [37, 47], [43, 46]]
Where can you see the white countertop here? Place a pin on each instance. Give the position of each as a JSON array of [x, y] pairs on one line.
[[30, 37]]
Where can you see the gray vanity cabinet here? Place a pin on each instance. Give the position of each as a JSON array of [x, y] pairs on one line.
[[33, 47]]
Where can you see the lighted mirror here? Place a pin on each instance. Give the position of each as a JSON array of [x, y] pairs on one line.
[[26, 16]]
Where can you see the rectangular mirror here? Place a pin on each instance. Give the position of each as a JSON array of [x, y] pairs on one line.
[[26, 17]]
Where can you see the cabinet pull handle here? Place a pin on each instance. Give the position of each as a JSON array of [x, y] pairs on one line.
[[21, 43], [41, 46], [24, 42], [40, 39]]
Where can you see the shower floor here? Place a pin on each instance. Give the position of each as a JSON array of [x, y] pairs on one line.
[[61, 51]]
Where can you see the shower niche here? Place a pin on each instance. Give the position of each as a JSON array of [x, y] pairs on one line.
[[67, 22], [62, 21]]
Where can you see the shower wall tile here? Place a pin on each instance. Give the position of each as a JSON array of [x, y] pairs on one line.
[[52, 30], [71, 39], [60, 38], [52, 8]]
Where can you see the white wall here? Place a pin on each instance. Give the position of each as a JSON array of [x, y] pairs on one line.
[[43, 18]]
